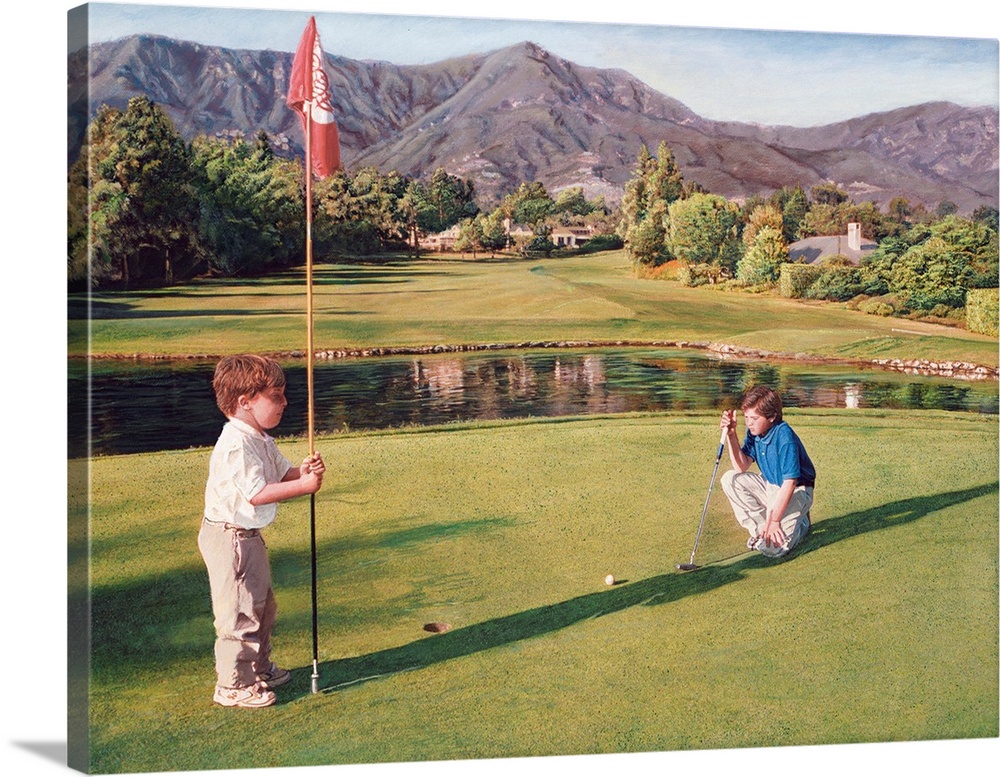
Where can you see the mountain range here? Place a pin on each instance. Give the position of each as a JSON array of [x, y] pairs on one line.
[[523, 114]]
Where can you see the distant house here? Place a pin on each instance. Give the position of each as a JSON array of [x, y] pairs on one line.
[[563, 237], [518, 233], [814, 249], [441, 241], [571, 237]]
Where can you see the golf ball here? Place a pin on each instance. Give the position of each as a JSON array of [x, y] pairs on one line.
[[610, 580]]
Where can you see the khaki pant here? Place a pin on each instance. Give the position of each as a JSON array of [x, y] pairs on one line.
[[750, 497], [239, 575]]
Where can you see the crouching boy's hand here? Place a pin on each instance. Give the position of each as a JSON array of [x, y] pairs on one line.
[[728, 422]]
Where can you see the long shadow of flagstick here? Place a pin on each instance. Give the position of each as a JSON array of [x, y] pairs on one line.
[[661, 589]]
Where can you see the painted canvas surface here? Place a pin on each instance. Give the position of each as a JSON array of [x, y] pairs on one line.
[[549, 254]]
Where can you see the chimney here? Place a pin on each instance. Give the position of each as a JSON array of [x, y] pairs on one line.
[[854, 236]]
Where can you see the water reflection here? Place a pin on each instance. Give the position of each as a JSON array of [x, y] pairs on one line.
[[169, 406]]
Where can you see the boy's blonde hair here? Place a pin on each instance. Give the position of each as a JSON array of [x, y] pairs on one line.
[[765, 400], [244, 375]]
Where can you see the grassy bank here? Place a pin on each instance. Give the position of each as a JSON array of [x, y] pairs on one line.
[[883, 627], [462, 302]]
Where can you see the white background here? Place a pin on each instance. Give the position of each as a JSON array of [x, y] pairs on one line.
[[33, 399]]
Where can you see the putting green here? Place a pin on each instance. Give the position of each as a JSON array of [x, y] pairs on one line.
[[882, 627]]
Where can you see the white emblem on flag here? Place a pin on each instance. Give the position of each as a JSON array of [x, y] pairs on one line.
[[322, 106]]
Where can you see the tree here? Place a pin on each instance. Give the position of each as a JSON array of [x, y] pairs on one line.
[[470, 237], [141, 204], [900, 209], [933, 264], [828, 194], [988, 216], [656, 183], [635, 208], [762, 216], [794, 205], [946, 208], [409, 208], [665, 181], [251, 207], [761, 263], [975, 243], [930, 274], [529, 204], [825, 219], [647, 240], [703, 230], [492, 231], [572, 202], [78, 224], [450, 200], [361, 213]]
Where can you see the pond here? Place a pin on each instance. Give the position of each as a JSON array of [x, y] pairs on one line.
[[141, 407]]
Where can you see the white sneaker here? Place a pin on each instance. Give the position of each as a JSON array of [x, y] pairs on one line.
[[251, 697], [753, 543]]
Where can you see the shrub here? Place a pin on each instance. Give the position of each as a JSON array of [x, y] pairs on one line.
[[602, 243], [876, 307], [836, 283], [668, 271], [540, 244], [884, 305], [699, 274], [796, 278], [982, 309]]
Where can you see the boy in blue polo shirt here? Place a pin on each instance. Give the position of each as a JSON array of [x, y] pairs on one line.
[[772, 506]]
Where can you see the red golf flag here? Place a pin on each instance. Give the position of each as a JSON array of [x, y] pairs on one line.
[[309, 84]]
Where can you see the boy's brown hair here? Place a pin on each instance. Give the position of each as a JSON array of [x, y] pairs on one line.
[[247, 374], [764, 400]]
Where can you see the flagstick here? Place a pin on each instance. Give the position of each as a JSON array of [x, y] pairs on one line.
[[309, 385]]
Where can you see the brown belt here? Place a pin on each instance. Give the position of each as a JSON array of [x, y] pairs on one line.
[[233, 527]]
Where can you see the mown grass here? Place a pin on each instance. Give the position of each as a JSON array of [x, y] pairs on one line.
[[408, 303], [882, 627]]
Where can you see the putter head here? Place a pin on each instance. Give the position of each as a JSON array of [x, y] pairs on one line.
[[687, 567]]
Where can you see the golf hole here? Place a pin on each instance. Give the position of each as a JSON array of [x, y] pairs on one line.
[[437, 627]]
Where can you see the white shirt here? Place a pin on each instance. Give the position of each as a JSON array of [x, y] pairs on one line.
[[242, 463]]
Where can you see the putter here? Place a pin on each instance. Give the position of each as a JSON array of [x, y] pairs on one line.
[[718, 457]]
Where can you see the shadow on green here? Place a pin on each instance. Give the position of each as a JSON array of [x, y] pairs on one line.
[[128, 620], [657, 590]]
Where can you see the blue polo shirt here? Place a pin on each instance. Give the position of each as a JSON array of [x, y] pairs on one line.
[[780, 455]]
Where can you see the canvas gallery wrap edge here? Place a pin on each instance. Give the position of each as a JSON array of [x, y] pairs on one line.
[[496, 587]]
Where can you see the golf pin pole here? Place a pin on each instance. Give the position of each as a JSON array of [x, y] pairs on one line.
[[310, 391], [704, 510]]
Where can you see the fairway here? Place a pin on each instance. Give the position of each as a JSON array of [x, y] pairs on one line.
[[881, 627], [461, 302]]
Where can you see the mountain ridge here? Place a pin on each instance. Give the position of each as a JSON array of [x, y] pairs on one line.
[[522, 113]]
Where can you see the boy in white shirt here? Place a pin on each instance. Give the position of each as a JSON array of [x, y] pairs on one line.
[[247, 478]]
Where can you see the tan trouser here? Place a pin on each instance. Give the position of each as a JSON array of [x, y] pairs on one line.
[[750, 497], [239, 575]]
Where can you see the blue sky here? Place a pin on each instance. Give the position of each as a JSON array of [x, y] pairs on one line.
[[720, 63]]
